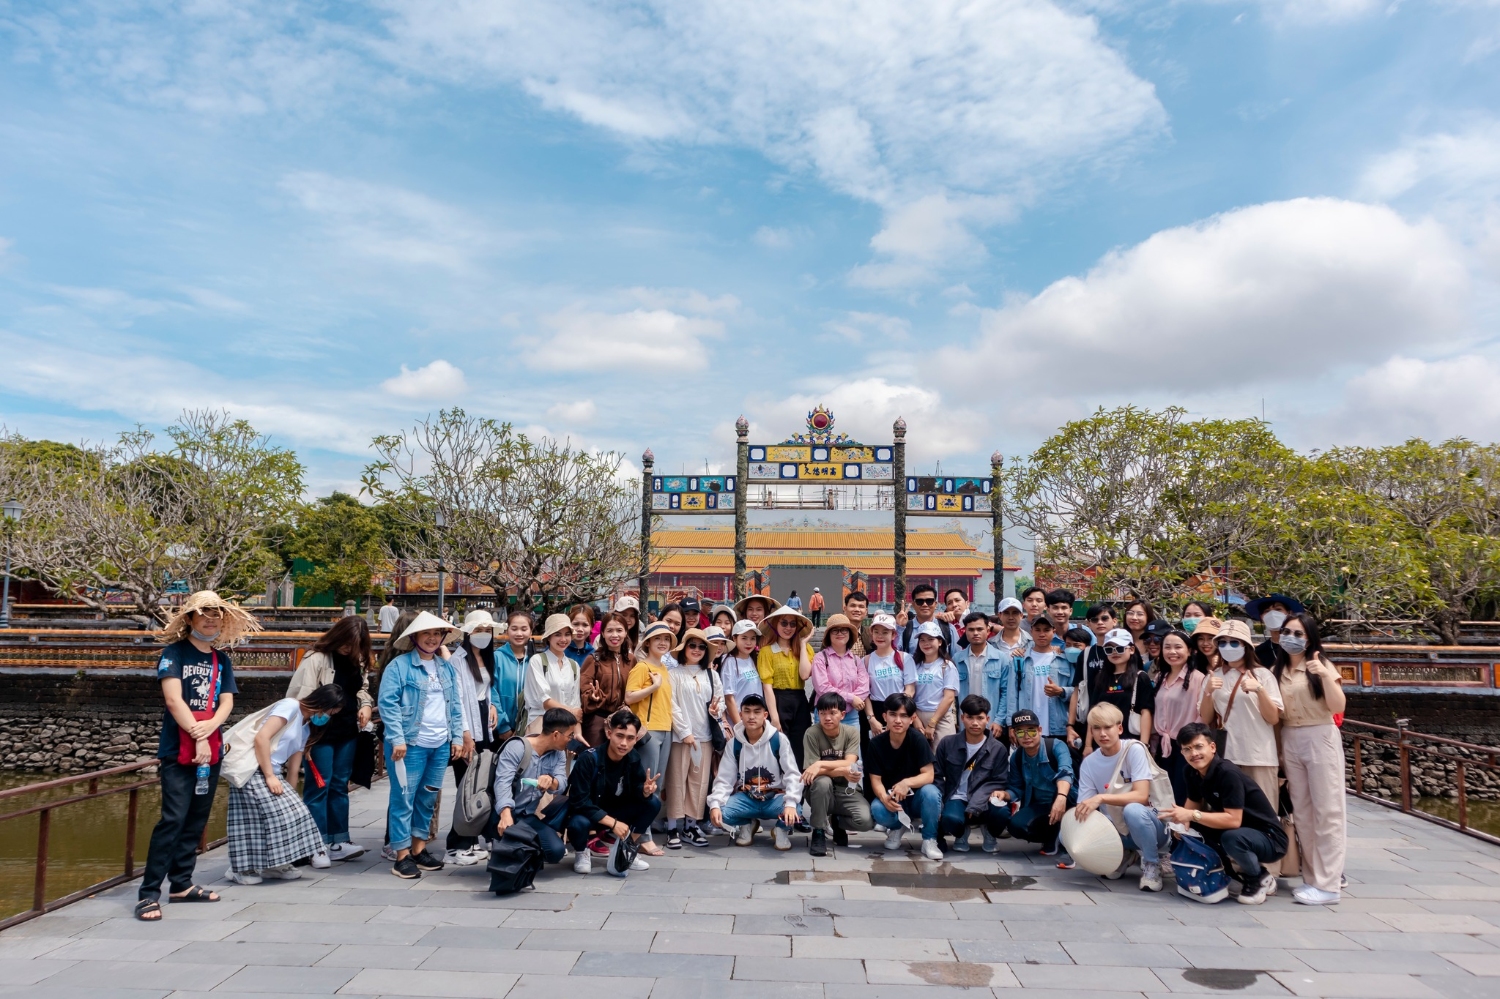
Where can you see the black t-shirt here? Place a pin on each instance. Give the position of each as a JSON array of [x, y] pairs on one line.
[[893, 764], [182, 661], [1225, 786], [345, 725], [1111, 689]]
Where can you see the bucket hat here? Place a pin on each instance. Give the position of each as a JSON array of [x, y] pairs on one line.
[[476, 619], [839, 621], [1237, 629], [652, 632], [768, 626], [556, 623], [1255, 608], [1208, 626], [428, 621], [691, 633]]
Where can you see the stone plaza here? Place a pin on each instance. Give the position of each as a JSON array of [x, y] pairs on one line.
[[1420, 919]]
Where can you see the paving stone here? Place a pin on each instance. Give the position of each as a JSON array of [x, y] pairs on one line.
[[539, 986], [374, 956], [625, 941], [604, 963], [1061, 929], [794, 969], [130, 928], [456, 984], [383, 896], [701, 988], [908, 909], [521, 962], [1475, 964], [1244, 958], [25, 948], [32, 970], [115, 950], [943, 974], [791, 924], [1432, 942], [54, 925], [736, 944], [854, 926], [240, 952], [113, 974], [1201, 981], [1103, 978], [442, 915], [284, 980], [1011, 951], [1460, 986], [1300, 940], [291, 912], [487, 937], [743, 906], [876, 947], [696, 876], [1378, 961], [638, 885], [1125, 954], [695, 922], [1346, 985], [1320, 918], [46, 991], [630, 903], [543, 920], [1176, 935], [834, 991], [1432, 922]]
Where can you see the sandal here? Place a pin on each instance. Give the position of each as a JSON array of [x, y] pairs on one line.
[[148, 910], [196, 893], [650, 849]]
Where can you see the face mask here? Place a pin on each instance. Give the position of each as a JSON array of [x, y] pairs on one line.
[[1231, 653], [1273, 620], [1189, 623], [1073, 655], [205, 639], [1293, 645], [319, 720], [481, 639]]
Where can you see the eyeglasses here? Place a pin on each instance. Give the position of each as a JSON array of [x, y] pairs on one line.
[[927, 602], [1026, 733], [1114, 650], [1288, 633]]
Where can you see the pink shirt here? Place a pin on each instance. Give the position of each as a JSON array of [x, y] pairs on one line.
[[1176, 705], [841, 672]]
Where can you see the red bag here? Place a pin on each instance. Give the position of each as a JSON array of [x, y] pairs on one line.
[[187, 746]]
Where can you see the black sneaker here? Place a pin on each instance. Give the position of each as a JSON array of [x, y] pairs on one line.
[[840, 834], [406, 868], [802, 826], [674, 840], [818, 845], [426, 861], [697, 837]]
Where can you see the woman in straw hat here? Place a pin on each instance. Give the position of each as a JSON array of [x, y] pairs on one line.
[[648, 693], [697, 704], [785, 664], [473, 663], [424, 725], [197, 683], [551, 676], [756, 607]]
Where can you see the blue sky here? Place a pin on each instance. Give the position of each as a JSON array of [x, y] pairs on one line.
[[629, 223]]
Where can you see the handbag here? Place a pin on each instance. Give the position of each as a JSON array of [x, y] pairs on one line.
[[715, 730], [1221, 722], [240, 763], [187, 746], [1291, 862]]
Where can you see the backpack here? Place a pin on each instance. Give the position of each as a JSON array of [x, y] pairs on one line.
[[947, 629], [775, 747], [515, 860], [474, 805], [1160, 796], [1199, 869]]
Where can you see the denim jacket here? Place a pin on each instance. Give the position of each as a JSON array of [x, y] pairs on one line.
[[1033, 779], [1064, 674], [1000, 683], [403, 692], [984, 678], [508, 690]]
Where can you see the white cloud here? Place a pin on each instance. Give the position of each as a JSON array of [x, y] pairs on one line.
[[767, 237], [856, 327], [1278, 291], [574, 413], [684, 300], [1408, 397], [865, 408], [438, 382], [921, 237], [641, 339], [1467, 160]]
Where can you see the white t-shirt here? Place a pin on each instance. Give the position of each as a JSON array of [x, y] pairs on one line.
[[1041, 672], [550, 678], [886, 678], [740, 678], [1096, 769], [389, 614], [932, 679], [432, 730], [291, 739]]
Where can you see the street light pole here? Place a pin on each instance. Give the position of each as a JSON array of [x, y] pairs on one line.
[[12, 511]]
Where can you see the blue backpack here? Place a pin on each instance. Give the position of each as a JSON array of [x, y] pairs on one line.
[[1199, 870]]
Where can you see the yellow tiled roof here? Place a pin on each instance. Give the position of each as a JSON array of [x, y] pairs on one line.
[[711, 550]]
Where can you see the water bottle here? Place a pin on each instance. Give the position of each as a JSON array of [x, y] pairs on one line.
[[202, 786]]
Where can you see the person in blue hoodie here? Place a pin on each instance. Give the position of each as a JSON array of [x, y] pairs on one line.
[[985, 669], [424, 723]]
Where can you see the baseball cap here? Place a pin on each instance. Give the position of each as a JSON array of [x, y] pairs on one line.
[[1158, 629], [1009, 603], [883, 621], [1119, 636], [690, 605], [1024, 718], [929, 628], [627, 603]]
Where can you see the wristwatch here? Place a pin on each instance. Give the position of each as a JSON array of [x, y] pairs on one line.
[[1197, 815]]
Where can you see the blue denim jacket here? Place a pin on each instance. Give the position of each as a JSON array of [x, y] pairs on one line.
[[1033, 779], [985, 678], [403, 692], [508, 690], [1064, 674]]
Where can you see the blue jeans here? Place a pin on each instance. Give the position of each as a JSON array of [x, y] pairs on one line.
[[547, 833], [1031, 825], [411, 807], [956, 819], [741, 808], [1148, 834], [925, 804], [329, 804]]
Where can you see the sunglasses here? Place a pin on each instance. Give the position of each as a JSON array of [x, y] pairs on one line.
[[1114, 650], [1228, 643], [1026, 733], [928, 602], [697, 647]]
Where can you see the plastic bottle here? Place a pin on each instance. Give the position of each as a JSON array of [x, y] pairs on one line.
[[202, 786]]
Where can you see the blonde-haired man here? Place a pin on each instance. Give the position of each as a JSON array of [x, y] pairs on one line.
[[1127, 800]]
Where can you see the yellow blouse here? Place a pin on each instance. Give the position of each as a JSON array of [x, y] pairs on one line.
[[779, 668], [655, 712]]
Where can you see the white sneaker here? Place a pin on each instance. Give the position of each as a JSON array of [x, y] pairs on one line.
[[321, 861], [1308, 895], [961, 842], [744, 834], [780, 838], [243, 877], [286, 873], [345, 851], [465, 858], [387, 852], [893, 840], [583, 863], [638, 864], [1150, 876], [988, 843], [930, 850]]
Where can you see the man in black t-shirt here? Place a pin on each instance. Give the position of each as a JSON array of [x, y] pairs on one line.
[[1232, 813], [900, 769]]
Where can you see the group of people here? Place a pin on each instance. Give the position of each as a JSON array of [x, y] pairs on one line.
[[623, 737]]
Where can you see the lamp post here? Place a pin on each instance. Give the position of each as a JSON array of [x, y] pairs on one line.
[[12, 510], [440, 521]]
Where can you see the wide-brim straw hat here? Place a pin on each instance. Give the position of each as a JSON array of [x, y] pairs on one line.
[[768, 626], [477, 619], [772, 604], [428, 621], [556, 623], [655, 630], [1094, 844], [686, 635]]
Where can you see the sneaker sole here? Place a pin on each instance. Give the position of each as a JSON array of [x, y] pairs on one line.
[[406, 877]]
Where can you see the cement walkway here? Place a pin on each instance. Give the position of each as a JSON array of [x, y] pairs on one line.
[[1421, 919]]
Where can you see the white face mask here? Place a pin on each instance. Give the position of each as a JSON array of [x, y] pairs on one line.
[[1273, 620], [1294, 645], [1231, 653], [481, 639]]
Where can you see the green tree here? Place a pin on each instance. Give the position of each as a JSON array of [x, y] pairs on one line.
[[345, 542]]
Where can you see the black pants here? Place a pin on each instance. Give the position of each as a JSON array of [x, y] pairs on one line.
[[1176, 767], [638, 814], [174, 841], [1030, 824], [796, 718], [455, 841]]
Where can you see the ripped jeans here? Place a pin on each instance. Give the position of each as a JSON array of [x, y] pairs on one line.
[[411, 807]]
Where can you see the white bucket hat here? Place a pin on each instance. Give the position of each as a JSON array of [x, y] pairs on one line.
[[556, 623], [477, 619], [1093, 843], [428, 621]]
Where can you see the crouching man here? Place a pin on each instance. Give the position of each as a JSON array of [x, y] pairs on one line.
[[1231, 812], [612, 791], [1041, 783], [970, 767], [758, 779], [528, 769], [831, 780]]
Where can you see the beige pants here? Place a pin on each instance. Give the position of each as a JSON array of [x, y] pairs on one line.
[[687, 785], [1314, 759], [947, 725], [1267, 779]]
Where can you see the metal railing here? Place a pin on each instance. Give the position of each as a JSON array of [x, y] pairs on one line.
[[40, 903], [1464, 757]]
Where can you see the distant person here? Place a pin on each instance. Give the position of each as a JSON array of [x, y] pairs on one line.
[[197, 683], [794, 601], [389, 612]]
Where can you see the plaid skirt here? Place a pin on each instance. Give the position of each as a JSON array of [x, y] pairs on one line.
[[269, 830]]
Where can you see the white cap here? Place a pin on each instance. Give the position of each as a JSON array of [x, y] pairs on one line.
[[744, 626], [929, 628], [1120, 637], [1009, 603], [627, 603], [714, 634], [883, 621]]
